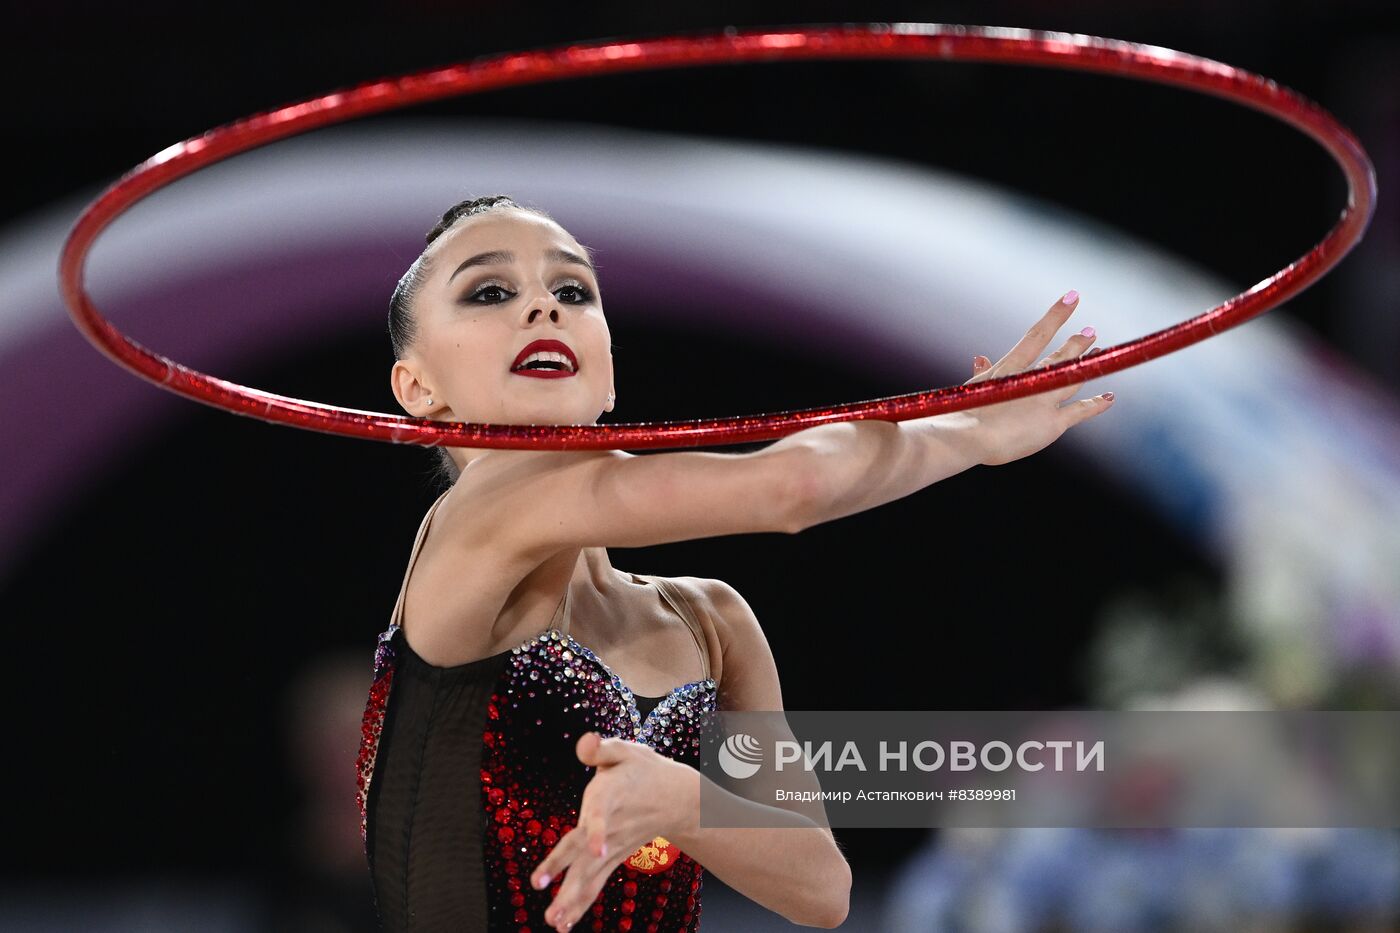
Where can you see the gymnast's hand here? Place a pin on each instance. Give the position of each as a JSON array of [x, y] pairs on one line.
[[635, 795], [1022, 426]]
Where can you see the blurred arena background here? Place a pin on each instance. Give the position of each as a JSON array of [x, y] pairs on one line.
[[192, 599]]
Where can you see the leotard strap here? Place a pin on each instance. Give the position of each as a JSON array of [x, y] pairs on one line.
[[681, 604], [397, 614]]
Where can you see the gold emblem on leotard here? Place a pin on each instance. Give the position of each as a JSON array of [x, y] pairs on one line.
[[657, 855]]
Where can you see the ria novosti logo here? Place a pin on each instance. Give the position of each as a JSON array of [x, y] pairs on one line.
[[741, 755]]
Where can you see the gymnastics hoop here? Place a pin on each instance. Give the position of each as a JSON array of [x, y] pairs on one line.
[[874, 40]]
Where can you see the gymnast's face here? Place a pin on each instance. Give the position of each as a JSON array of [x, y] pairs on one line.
[[496, 283]]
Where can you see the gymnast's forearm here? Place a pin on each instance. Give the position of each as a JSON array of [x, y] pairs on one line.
[[795, 869], [857, 465]]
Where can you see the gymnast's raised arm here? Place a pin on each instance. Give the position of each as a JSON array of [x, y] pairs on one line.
[[857, 465], [550, 500], [545, 501]]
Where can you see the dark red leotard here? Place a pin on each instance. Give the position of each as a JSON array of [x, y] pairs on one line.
[[468, 777]]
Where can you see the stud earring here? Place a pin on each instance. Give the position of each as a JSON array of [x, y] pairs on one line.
[[428, 402], [611, 396]]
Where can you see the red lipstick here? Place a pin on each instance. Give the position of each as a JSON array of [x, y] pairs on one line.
[[547, 369]]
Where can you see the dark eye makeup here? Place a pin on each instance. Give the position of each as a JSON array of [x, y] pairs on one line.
[[584, 294]]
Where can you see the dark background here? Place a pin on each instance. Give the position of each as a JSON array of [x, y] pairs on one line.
[[156, 625]]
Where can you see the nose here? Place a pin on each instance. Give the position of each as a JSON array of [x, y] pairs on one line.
[[545, 304]]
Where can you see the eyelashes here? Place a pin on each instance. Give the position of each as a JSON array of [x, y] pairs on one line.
[[585, 294]]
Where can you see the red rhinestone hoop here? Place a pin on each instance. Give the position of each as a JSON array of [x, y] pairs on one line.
[[847, 41]]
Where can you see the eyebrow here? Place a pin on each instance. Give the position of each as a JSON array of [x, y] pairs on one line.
[[504, 255]]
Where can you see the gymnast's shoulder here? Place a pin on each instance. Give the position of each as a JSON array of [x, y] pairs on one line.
[[749, 679]]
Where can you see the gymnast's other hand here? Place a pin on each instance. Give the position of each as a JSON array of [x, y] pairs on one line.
[[635, 795], [1022, 426]]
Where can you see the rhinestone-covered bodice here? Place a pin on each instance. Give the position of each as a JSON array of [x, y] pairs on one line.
[[468, 777], [552, 690]]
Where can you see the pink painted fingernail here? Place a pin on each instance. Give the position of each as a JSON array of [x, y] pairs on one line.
[[1087, 332], [1071, 297], [544, 881]]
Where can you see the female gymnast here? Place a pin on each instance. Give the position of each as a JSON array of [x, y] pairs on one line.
[[524, 757]]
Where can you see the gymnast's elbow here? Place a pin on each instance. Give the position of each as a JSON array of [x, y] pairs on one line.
[[841, 900], [835, 902]]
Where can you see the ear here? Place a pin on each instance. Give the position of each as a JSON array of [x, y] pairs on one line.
[[408, 389]]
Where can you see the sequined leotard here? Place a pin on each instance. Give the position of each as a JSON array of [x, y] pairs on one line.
[[467, 777]]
